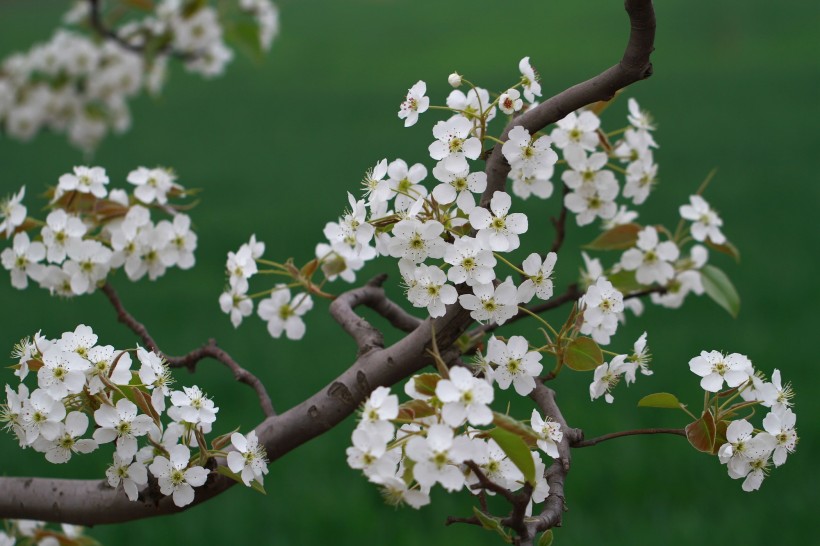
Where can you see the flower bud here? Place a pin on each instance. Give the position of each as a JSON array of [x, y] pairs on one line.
[[454, 79]]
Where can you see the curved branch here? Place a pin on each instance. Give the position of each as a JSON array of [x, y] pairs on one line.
[[190, 360], [634, 66], [371, 295]]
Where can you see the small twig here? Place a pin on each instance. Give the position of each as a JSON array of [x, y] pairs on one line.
[[560, 223], [610, 436], [190, 360], [489, 485], [472, 520]]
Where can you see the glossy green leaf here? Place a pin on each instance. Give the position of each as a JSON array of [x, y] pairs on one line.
[[625, 281], [492, 523], [583, 354], [546, 538], [516, 427], [659, 400], [516, 450], [618, 238], [720, 289]]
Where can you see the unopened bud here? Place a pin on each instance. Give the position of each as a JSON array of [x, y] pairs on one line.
[[454, 79]]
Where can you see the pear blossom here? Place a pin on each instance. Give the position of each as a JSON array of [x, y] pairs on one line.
[[515, 364], [529, 80], [642, 122], [746, 456], [651, 260], [473, 105], [416, 241], [431, 291], [495, 464], [465, 398], [622, 216], [706, 223], [12, 413], [601, 304], [780, 424], [454, 145], [80, 341], [783, 393], [121, 423], [61, 230], [85, 180], [437, 457], [414, 104], [498, 230], [352, 230], [549, 434], [641, 177], [539, 185], [605, 378], [587, 170], [639, 358], [491, 304], [342, 261], [22, 260], [685, 281], [284, 314], [88, 263], [395, 492], [42, 416], [156, 376], [152, 184], [577, 131], [404, 184], [369, 453], [241, 266], [510, 102], [375, 187], [60, 449], [459, 187], [249, 460], [533, 156], [12, 212], [539, 277], [174, 476], [62, 373], [131, 475], [190, 405], [715, 368], [237, 304], [179, 250], [471, 263], [592, 201], [102, 358]]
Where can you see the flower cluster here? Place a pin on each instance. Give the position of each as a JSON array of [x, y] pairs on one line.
[[78, 380], [608, 374], [438, 440], [747, 452], [81, 86], [90, 231]]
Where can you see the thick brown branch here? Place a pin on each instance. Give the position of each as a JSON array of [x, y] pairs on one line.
[[190, 360], [580, 442], [560, 223]]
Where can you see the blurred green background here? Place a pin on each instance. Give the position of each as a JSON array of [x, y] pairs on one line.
[[276, 144]]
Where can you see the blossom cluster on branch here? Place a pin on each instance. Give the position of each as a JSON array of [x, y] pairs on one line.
[[91, 231], [80, 382], [81, 80]]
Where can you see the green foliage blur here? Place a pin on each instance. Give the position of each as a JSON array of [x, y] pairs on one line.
[[276, 144]]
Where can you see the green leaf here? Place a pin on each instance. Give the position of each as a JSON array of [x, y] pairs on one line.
[[517, 451], [702, 433], [493, 524], [516, 427], [618, 238], [426, 383], [546, 538], [625, 281], [255, 485], [726, 248], [720, 289], [245, 35], [659, 400], [583, 354]]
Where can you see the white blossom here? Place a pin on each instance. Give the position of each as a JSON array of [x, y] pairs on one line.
[[706, 223], [414, 104], [515, 364], [174, 476], [249, 460]]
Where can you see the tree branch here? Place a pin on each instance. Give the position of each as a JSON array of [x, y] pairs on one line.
[[580, 442], [634, 66], [190, 360], [370, 295]]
